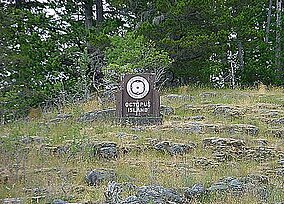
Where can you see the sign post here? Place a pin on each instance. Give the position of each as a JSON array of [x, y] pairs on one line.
[[138, 102]]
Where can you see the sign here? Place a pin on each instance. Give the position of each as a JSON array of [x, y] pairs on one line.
[[138, 98]]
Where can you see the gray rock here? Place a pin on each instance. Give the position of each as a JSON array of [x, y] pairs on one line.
[[218, 187], [276, 132], [208, 95], [195, 191], [236, 185], [106, 150], [215, 141], [100, 115], [281, 161], [59, 118], [263, 193], [175, 148], [12, 201], [112, 194], [59, 202], [179, 97], [195, 128], [131, 200], [196, 118], [243, 128], [228, 111], [95, 177], [158, 195], [279, 121], [166, 110], [32, 139], [121, 135], [256, 179]]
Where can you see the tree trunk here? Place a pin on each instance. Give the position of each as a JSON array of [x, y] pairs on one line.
[[241, 55], [268, 21], [88, 5], [19, 3], [95, 55], [99, 11], [278, 36]]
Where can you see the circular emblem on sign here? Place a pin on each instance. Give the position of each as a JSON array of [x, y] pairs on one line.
[[137, 87]]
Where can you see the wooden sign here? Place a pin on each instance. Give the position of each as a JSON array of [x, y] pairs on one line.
[[138, 99]]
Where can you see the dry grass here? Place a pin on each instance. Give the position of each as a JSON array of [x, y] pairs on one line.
[[27, 167]]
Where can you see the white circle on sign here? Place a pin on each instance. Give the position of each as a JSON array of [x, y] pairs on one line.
[[137, 87]]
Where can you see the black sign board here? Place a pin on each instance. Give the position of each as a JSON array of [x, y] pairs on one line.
[[138, 99]]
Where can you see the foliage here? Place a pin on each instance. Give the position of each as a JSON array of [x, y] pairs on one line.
[[132, 53], [58, 57]]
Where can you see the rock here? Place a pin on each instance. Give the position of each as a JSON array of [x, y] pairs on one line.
[[261, 153], [213, 142], [96, 177], [218, 187], [190, 108], [55, 150], [131, 200], [60, 117], [11, 201], [101, 115], [195, 128], [32, 139], [158, 195], [206, 95], [195, 191], [143, 195], [279, 121], [243, 128], [112, 194], [267, 106], [122, 135], [236, 185], [263, 193], [281, 161], [59, 202], [107, 150], [175, 148], [178, 97], [221, 156], [37, 199], [196, 118], [166, 110], [256, 179], [205, 162], [276, 132], [228, 111], [261, 142]]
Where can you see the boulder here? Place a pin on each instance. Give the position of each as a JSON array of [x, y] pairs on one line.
[[174, 148], [195, 191], [279, 121], [95, 177], [218, 187], [59, 118], [166, 110], [99, 115], [158, 195], [12, 201], [106, 150]]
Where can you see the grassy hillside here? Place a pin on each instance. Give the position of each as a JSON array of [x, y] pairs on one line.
[[230, 142]]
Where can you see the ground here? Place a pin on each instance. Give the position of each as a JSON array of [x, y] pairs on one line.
[[214, 146]]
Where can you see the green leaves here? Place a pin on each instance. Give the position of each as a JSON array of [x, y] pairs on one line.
[[132, 52]]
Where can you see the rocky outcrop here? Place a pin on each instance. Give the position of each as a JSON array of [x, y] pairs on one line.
[[100, 115], [174, 148]]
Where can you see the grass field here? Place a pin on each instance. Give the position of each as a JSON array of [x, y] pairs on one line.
[[230, 133]]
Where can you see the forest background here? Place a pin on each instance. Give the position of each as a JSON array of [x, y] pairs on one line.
[[60, 52]]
